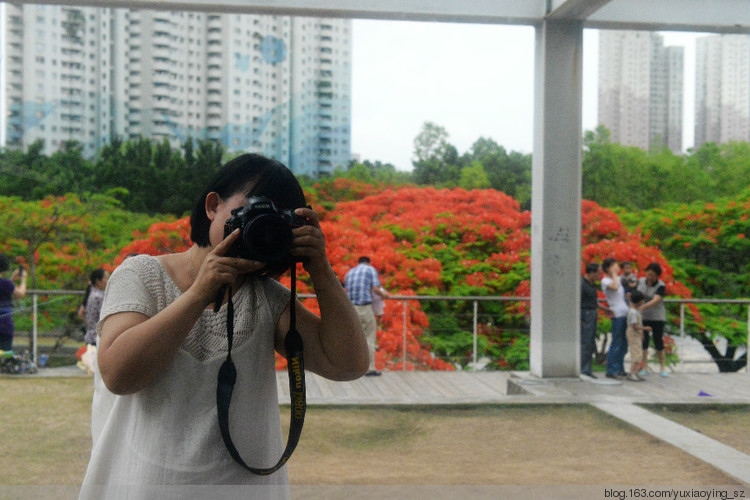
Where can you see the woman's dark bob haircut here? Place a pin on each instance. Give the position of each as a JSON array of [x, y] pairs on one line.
[[655, 267], [96, 275], [607, 263], [251, 175]]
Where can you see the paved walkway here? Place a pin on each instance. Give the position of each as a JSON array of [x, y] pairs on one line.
[[428, 388], [721, 456]]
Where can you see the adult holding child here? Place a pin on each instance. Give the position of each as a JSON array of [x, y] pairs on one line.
[[162, 344], [654, 314], [615, 294]]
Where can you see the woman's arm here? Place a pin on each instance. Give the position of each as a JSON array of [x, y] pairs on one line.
[[335, 345], [134, 348], [19, 291], [653, 302], [615, 283]]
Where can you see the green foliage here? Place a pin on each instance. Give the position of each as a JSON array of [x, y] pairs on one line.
[[486, 165], [707, 243], [375, 173], [436, 160], [60, 240], [624, 176], [509, 173], [473, 177], [709, 240], [143, 175], [694, 208], [448, 340]]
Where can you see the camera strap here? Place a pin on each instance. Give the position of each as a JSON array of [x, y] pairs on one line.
[[296, 370]]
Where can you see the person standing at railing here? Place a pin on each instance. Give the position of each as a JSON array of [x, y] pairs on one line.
[[93, 306], [13, 288], [91, 309], [615, 294], [654, 314], [361, 283], [378, 304], [590, 306]]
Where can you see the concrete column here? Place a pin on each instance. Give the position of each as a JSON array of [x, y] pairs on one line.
[[556, 200]]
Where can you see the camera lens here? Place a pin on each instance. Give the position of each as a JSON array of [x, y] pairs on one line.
[[268, 238]]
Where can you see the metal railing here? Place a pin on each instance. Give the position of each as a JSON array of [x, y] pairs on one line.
[[475, 300], [405, 299], [35, 294]]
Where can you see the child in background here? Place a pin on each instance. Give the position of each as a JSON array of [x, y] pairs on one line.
[[634, 334], [628, 278]]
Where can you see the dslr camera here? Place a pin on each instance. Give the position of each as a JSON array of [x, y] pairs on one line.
[[266, 232]]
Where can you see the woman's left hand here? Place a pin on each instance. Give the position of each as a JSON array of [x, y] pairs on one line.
[[310, 242]]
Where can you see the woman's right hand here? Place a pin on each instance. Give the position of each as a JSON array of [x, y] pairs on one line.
[[217, 270], [614, 271]]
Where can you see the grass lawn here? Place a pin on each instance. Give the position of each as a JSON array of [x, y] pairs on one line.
[[45, 424]]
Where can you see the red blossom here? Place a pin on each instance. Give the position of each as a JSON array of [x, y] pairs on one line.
[[427, 241]]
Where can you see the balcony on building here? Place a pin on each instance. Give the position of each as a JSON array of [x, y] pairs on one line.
[[213, 71], [214, 85], [161, 52], [162, 128]]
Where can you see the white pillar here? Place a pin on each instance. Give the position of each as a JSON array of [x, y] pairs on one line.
[[556, 200]]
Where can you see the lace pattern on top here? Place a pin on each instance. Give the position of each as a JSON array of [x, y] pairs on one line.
[[142, 285]]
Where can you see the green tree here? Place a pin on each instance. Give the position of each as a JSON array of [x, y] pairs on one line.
[[66, 171], [509, 173], [36, 223], [436, 160], [733, 173], [15, 176], [474, 177]]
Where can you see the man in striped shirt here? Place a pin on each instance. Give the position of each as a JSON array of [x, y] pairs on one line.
[[360, 283]]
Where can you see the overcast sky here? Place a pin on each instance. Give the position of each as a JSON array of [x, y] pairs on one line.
[[473, 80]]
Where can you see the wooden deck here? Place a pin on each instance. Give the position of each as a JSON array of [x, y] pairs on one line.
[[471, 388], [456, 388]]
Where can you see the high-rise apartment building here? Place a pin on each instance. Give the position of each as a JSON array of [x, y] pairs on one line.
[[722, 89], [56, 78], [640, 89], [277, 85]]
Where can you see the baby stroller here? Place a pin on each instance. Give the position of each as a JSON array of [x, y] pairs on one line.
[[15, 364]]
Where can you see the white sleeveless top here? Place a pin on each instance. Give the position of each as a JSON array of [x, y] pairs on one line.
[[148, 444]]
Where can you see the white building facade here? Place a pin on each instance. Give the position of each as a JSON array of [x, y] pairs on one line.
[[275, 85], [722, 89], [641, 89]]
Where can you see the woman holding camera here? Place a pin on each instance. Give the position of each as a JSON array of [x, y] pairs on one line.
[[13, 288], [154, 418]]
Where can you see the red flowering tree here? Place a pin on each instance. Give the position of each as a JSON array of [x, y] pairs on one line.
[[708, 245], [60, 240], [427, 241]]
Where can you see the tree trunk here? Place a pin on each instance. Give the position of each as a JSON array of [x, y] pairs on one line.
[[725, 362]]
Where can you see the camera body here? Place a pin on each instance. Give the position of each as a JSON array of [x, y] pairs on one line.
[[266, 232]]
